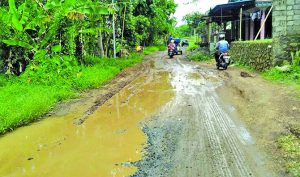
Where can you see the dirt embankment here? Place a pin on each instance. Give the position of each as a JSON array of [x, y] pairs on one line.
[[268, 109]]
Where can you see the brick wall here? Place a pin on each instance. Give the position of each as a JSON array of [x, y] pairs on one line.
[[286, 29]]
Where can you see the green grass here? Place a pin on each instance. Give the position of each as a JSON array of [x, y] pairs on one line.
[[289, 77], [23, 103], [290, 145], [192, 44], [24, 99], [199, 56], [151, 49], [288, 73]]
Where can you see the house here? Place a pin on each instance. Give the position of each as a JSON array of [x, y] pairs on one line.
[[241, 20]]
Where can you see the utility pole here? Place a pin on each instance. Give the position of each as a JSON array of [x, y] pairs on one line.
[[241, 23], [114, 31]]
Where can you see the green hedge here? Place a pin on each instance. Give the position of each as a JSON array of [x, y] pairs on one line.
[[256, 54]]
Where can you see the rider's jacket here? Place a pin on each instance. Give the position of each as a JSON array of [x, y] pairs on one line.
[[222, 46]]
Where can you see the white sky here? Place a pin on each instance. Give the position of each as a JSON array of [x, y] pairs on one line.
[[187, 6]]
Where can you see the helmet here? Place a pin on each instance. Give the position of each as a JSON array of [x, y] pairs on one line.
[[172, 41], [221, 36]]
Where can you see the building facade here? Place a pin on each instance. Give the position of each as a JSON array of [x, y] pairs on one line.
[[249, 19], [286, 29]]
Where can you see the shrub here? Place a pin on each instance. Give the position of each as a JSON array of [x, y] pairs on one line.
[[199, 56], [256, 54], [288, 73]]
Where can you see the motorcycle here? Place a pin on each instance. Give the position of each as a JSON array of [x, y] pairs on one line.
[[178, 50], [223, 61], [171, 53]]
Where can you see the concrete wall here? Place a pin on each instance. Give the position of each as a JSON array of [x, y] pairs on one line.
[[286, 29]]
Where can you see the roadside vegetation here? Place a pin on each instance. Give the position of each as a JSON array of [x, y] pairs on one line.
[[288, 73], [199, 56], [151, 49], [26, 98], [290, 144], [193, 44], [52, 50]]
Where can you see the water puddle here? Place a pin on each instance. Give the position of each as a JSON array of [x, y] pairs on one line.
[[102, 146], [194, 76]]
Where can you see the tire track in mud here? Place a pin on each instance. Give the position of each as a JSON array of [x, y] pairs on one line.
[[225, 141], [203, 139]]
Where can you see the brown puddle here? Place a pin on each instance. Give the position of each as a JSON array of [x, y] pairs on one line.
[[100, 147]]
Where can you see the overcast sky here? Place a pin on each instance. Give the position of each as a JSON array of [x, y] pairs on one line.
[[187, 6]]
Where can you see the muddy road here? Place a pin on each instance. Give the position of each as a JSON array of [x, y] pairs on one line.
[[163, 118]]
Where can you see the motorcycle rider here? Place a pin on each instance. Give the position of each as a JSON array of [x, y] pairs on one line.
[[171, 46], [170, 39], [221, 47]]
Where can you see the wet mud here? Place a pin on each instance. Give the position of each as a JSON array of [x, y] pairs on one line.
[[197, 133], [268, 110]]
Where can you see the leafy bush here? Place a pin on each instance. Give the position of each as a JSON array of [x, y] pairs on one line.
[[256, 54], [192, 47], [289, 73], [78, 27], [192, 44]]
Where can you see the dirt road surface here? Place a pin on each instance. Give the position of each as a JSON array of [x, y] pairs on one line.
[[162, 118]]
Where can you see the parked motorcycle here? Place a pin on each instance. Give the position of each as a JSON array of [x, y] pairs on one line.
[[223, 61]]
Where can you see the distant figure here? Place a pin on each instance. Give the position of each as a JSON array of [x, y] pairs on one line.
[[124, 52], [140, 49], [171, 45], [170, 39], [177, 41]]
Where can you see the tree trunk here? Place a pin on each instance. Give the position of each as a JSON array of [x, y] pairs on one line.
[[100, 44]]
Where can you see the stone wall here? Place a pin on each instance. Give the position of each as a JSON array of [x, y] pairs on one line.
[[286, 29], [256, 54]]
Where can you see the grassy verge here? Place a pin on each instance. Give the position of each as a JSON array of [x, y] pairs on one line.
[[286, 74], [289, 73], [199, 56], [290, 144], [151, 49], [192, 44], [25, 99]]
